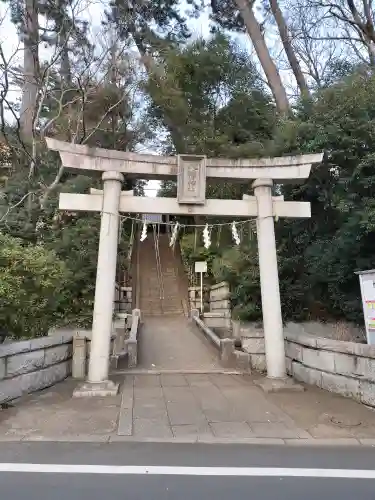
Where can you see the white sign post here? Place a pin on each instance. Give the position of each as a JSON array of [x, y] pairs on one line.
[[201, 267], [367, 284]]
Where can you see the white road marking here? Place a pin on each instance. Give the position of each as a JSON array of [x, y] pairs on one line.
[[186, 471]]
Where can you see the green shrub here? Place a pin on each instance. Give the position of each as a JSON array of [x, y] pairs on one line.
[[32, 281]]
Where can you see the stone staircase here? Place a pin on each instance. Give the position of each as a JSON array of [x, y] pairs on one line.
[[160, 293]]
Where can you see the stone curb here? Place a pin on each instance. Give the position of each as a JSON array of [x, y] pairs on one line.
[[108, 439], [177, 372]]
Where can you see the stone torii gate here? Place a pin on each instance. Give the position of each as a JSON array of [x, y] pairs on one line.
[[191, 172]]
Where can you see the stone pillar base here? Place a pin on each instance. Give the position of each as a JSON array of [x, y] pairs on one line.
[[96, 389], [286, 384]]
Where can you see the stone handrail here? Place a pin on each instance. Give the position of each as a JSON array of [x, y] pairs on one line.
[[207, 331], [225, 346], [32, 365]]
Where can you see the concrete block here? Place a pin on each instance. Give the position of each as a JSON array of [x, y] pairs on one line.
[[24, 363], [258, 362], [48, 376], [119, 342], [251, 330], [322, 360], [9, 389], [346, 364], [278, 385], [132, 346], [98, 390], [217, 320], [79, 358], [365, 368], [236, 325], [365, 350], [242, 361], [253, 345], [125, 424], [251, 334], [305, 374], [288, 364], [336, 345], [57, 354], [119, 324], [293, 351], [35, 381], [42, 342], [14, 348], [296, 333], [218, 314], [226, 351], [125, 307], [367, 392], [219, 293], [218, 286], [83, 334], [218, 305], [340, 384], [196, 304]]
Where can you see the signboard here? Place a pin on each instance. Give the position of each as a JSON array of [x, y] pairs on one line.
[[367, 284], [191, 179], [201, 267]]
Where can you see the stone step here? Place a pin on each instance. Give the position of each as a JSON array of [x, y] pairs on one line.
[[161, 303], [151, 284]]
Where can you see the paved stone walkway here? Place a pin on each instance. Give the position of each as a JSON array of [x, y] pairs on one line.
[[172, 343], [210, 407], [200, 406], [199, 401]]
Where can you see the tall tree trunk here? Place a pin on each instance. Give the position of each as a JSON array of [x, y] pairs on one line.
[[269, 67], [30, 69], [113, 82], [285, 38], [65, 69], [154, 71], [66, 83]]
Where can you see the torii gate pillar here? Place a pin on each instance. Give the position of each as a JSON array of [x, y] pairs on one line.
[[98, 383], [269, 281]]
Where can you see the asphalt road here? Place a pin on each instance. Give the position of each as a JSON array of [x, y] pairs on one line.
[[184, 472]]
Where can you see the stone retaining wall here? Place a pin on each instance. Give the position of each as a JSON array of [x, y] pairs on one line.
[[219, 305], [346, 368], [195, 298], [124, 299], [252, 342], [31, 365]]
